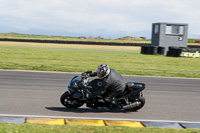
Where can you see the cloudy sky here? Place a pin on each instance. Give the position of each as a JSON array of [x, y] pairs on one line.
[[106, 18]]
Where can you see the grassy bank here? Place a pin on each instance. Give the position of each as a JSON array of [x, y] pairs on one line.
[[191, 41], [81, 60], [66, 38], [15, 35], [41, 128]]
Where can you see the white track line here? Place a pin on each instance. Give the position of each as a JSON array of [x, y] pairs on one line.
[[94, 118]]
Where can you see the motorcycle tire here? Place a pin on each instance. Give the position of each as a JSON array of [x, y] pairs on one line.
[[69, 102]]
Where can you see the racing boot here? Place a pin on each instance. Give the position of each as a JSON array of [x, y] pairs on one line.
[[114, 106]]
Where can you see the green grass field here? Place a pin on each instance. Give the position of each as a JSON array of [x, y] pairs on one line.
[[45, 59], [42, 128]]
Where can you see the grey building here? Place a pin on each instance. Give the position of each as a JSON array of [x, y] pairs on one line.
[[169, 34]]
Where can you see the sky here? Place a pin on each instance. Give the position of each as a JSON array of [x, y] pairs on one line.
[[110, 19]]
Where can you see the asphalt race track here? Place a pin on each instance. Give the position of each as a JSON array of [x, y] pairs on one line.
[[38, 93]]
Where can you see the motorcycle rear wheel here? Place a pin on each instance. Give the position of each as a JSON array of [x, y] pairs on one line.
[[69, 102]]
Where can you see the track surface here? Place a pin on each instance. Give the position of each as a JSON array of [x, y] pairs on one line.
[[38, 93]]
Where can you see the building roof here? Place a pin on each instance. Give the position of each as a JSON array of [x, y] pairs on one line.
[[171, 23]]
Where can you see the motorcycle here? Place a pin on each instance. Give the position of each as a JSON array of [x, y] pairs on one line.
[[132, 99]]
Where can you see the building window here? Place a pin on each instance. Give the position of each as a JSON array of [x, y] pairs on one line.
[[156, 29], [174, 29]]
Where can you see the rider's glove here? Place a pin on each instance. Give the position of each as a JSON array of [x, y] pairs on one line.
[[84, 74], [88, 73]]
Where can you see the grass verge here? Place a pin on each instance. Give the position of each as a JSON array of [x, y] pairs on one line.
[[72, 46], [42, 128], [79, 61]]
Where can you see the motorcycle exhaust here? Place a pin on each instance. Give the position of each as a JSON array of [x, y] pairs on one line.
[[135, 104]]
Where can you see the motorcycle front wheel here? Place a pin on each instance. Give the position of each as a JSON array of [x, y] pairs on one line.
[[69, 102]]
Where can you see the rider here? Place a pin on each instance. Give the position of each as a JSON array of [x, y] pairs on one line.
[[113, 85]]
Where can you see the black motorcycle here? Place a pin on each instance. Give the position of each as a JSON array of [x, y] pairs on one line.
[[79, 87]]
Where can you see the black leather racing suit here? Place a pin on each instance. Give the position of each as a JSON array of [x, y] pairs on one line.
[[113, 85]]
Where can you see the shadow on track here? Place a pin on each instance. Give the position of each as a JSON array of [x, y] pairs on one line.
[[84, 110]]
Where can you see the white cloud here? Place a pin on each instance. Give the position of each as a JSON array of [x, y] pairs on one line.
[[101, 17]]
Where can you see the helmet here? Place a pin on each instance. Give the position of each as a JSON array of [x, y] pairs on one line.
[[103, 70]]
